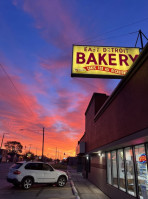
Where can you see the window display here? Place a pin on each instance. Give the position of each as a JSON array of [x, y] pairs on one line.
[[108, 168], [114, 169], [130, 175], [142, 173], [127, 169], [121, 170]]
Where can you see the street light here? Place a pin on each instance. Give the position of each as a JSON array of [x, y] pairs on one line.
[[3, 139]]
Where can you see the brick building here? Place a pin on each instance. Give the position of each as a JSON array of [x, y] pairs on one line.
[[116, 136]]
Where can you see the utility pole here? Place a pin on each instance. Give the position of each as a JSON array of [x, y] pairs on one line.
[[25, 149], [29, 147], [43, 145], [56, 153], [3, 139]]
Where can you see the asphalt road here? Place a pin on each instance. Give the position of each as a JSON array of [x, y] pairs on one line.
[[38, 191]]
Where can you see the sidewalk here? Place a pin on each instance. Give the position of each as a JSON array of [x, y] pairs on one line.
[[82, 188]]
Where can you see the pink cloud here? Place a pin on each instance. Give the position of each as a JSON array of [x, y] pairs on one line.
[[53, 64], [65, 123], [63, 118], [24, 112], [54, 21]]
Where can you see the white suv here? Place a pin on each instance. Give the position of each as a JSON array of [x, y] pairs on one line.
[[27, 173]]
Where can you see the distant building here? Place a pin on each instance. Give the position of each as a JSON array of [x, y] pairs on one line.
[[113, 151]]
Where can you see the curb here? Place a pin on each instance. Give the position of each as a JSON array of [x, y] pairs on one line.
[[74, 190]]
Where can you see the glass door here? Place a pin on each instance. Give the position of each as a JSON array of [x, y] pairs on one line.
[[121, 170], [130, 175], [142, 172], [114, 169], [109, 168]]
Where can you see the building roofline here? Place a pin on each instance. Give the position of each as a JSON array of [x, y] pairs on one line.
[[93, 96], [134, 68], [82, 137]]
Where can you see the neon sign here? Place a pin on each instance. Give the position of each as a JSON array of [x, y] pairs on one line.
[[142, 158]]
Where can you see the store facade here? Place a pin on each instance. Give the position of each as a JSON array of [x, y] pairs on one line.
[[116, 136]]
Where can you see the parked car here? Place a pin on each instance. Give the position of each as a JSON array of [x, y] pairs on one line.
[[28, 173]]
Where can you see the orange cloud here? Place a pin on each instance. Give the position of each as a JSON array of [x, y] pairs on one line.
[[52, 99], [23, 118]]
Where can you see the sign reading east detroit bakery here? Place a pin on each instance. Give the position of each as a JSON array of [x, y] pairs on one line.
[[110, 62]]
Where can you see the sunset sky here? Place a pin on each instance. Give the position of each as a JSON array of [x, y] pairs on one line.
[[36, 87]]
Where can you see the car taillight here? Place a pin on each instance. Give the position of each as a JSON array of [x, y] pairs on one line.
[[16, 172]]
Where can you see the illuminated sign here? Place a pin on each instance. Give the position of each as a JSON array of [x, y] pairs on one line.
[[29, 155], [142, 158], [109, 62]]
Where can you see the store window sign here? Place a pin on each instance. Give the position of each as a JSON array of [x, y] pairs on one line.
[[142, 158], [102, 61]]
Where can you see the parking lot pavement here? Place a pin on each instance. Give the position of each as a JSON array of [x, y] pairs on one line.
[[38, 191], [4, 167]]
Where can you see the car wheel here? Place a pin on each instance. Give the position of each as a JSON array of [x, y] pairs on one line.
[[27, 183], [61, 181]]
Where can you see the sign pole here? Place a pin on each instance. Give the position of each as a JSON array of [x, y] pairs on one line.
[[141, 34]]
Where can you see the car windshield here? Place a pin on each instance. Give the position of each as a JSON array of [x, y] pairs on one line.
[[17, 165]]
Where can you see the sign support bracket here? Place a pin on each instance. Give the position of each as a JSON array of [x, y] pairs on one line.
[[140, 34]]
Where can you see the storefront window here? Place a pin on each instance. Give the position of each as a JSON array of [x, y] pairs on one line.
[[114, 169], [130, 177], [109, 168], [121, 170], [127, 169], [142, 172]]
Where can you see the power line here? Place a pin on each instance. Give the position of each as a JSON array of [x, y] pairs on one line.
[[17, 91], [113, 30], [116, 36]]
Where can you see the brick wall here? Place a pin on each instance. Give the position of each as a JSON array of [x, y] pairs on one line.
[[125, 115]]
